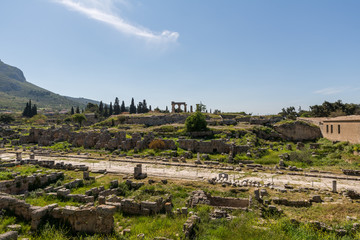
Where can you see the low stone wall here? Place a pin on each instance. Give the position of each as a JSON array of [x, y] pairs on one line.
[[156, 120], [88, 219], [81, 219], [201, 197], [292, 203], [351, 194], [229, 202], [131, 207], [25, 183], [214, 146], [53, 165], [351, 172]]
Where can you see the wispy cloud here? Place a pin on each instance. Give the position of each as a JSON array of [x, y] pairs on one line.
[[331, 90], [104, 11]]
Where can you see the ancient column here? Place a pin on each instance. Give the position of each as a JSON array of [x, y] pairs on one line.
[[18, 156], [334, 186], [172, 107]]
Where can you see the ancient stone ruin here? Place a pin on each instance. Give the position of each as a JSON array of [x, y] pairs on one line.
[[201, 197]]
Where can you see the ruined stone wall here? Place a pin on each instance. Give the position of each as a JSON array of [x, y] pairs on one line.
[[130, 206], [53, 165], [201, 197], [156, 120], [229, 202], [214, 146], [81, 219], [24, 183]]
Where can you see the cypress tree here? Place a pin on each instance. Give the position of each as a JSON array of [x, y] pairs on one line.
[[122, 108], [25, 112], [140, 108], [77, 109], [33, 110], [145, 108], [132, 107], [106, 111], [110, 109], [29, 110], [72, 111], [101, 108], [116, 106]]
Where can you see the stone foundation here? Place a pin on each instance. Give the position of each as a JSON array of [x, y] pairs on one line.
[[81, 219], [200, 197]]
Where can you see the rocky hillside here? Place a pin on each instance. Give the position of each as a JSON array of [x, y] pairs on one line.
[[15, 91]]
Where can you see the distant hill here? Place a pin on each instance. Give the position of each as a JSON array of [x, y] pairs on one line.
[[15, 91]]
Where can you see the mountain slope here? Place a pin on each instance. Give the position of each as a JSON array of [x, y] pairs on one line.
[[15, 91]]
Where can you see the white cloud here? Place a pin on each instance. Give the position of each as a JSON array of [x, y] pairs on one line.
[[104, 11], [330, 91]]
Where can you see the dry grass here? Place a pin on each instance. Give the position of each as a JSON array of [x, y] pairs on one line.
[[332, 213]]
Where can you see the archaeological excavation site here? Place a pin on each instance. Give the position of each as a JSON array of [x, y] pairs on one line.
[[148, 176]]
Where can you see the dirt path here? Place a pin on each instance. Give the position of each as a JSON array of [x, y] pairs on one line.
[[199, 174]]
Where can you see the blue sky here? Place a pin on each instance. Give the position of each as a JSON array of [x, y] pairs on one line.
[[234, 55]]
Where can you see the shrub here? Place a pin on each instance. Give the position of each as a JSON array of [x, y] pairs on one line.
[[157, 144], [196, 123], [6, 118], [301, 156]]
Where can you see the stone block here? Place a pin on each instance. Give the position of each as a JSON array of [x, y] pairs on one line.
[[63, 192], [12, 235]]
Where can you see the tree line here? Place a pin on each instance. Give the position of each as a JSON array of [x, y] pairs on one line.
[[106, 110], [326, 109]]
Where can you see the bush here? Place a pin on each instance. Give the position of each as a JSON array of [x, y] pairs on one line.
[[157, 144], [6, 118], [196, 123], [301, 156]]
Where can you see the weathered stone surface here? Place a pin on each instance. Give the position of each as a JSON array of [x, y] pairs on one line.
[[189, 227], [292, 203], [23, 183], [298, 131], [87, 219], [200, 197], [351, 194], [213, 146], [12, 235]]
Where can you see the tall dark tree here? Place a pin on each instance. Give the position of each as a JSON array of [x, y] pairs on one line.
[[26, 110], [72, 111], [101, 108], [106, 111], [150, 108], [123, 108], [29, 110], [34, 110], [77, 109], [111, 110], [132, 107], [145, 108], [116, 106], [140, 108]]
